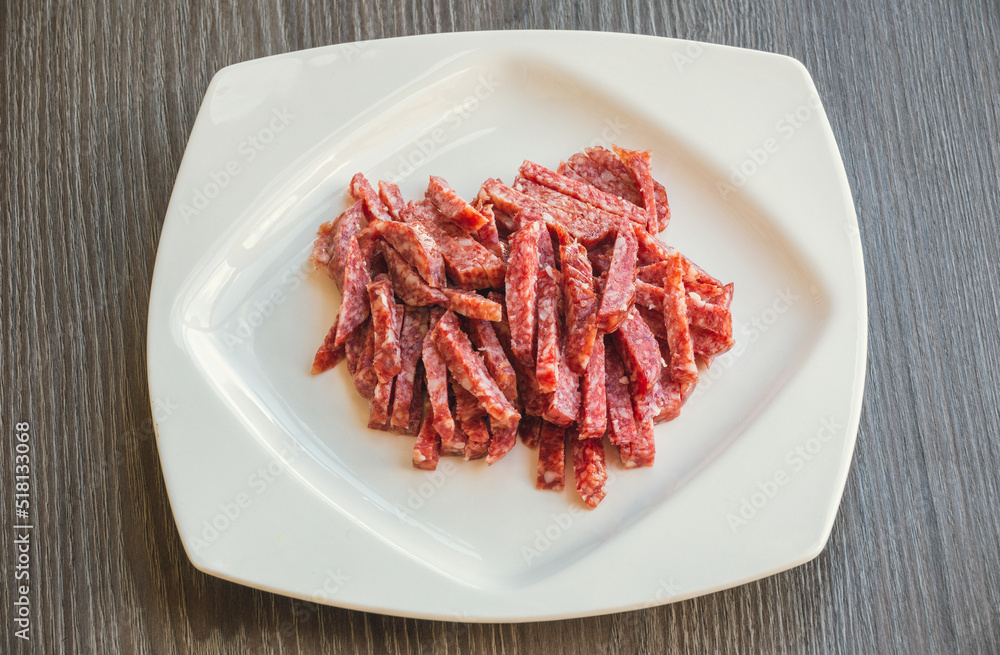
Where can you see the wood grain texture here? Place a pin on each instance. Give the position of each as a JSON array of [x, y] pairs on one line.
[[96, 104]]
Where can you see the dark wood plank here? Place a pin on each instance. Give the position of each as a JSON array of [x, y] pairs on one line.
[[96, 104]]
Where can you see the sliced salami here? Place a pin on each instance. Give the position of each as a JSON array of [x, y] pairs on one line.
[[682, 364], [621, 420], [640, 167], [642, 450], [503, 439], [619, 286], [354, 305], [593, 421], [612, 163], [469, 371], [453, 207], [488, 344], [411, 340], [580, 300], [471, 305], [528, 429], [549, 352], [414, 243], [436, 372], [590, 469], [387, 361], [391, 197], [521, 296], [639, 351], [564, 403], [581, 191], [333, 242], [364, 376], [408, 285], [329, 355], [362, 190], [551, 458], [427, 447]]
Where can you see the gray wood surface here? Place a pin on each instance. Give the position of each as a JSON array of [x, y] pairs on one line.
[[96, 104]]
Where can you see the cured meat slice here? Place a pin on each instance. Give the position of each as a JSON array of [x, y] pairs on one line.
[[407, 284], [564, 403], [416, 405], [485, 339], [581, 191], [534, 401], [502, 327], [583, 221], [600, 256], [642, 450], [590, 469], [549, 353], [354, 305], [651, 249], [649, 296], [436, 372], [682, 364], [521, 296], [708, 315], [470, 416], [501, 442], [608, 159], [551, 457], [455, 444], [411, 339], [488, 235], [364, 376], [453, 207], [580, 300], [390, 195], [328, 354], [587, 170], [528, 429], [333, 241], [412, 241], [381, 400], [709, 345], [639, 351], [593, 421], [427, 447], [472, 305], [354, 345], [654, 321], [619, 287], [621, 421], [387, 361], [469, 371], [362, 190], [639, 166], [467, 262]]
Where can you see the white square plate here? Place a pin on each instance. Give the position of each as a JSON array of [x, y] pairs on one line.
[[274, 480]]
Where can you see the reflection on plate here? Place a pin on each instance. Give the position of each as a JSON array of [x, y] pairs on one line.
[[274, 479]]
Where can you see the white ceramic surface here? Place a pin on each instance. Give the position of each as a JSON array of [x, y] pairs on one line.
[[273, 478]]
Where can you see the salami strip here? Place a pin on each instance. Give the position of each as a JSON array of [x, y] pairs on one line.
[[583, 221], [534, 401], [654, 321], [501, 442], [354, 345], [682, 364], [649, 296], [612, 163], [485, 339], [529, 429], [587, 170], [334, 240], [502, 327], [521, 297], [469, 371], [411, 340], [564, 404], [580, 300], [364, 376], [328, 354], [472, 305], [455, 444], [467, 262], [488, 235], [584, 192], [470, 416], [362, 190], [600, 257], [412, 241], [437, 382], [639, 351], [709, 345], [670, 400], [651, 249], [354, 305], [551, 458], [642, 450], [392, 198], [621, 421], [594, 406], [407, 284], [549, 353], [453, 207], [589, 469], [619, 287], [412, 428], [381, 400], [387, 360], [427, 447], [708, 316], [639, 166]]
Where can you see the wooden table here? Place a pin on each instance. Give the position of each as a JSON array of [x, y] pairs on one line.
[[97, 101]]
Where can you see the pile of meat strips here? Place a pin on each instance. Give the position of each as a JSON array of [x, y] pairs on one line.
[[546, 309]]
